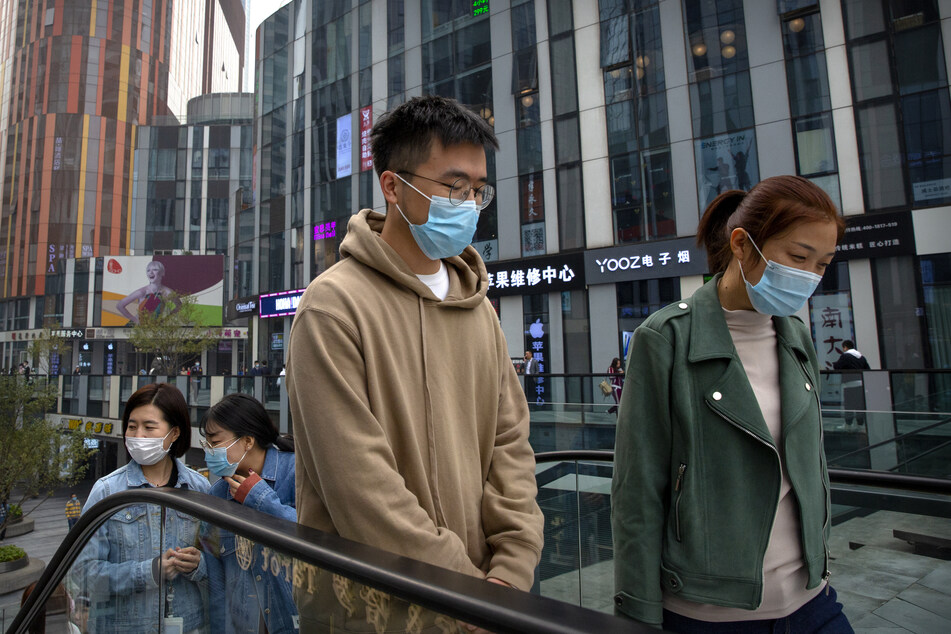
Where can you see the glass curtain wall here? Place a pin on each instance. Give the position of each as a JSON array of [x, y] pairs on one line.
[[564, 89], [528, 135], [367, 179], [642, 193], [721, 101], [457, 63], [809, 103], [331, 104], [902, 104]]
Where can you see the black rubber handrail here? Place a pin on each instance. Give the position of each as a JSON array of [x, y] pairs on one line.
[[882, 479], [444, 591], [894, 439]]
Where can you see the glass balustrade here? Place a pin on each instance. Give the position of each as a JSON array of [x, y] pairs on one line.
[[175, 562]]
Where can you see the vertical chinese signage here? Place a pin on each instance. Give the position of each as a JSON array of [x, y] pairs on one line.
[[531, 202], [831, 317], [536, 342], [344, 146], [366, 124], [480, 7]]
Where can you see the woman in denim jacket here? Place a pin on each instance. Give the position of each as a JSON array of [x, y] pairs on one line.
[[256, 466], [135, 570]]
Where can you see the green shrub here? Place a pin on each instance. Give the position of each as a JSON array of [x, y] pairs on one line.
[[16, 511], [11, 553]]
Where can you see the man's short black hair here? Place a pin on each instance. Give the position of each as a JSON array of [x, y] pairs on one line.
[[848, 343], [402, 138]]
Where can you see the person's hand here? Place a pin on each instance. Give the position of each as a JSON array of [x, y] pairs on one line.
[[169, 570], [186, 559], [466, 627], [234, 482]]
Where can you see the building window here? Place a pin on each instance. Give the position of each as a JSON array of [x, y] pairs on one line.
[[636, 110], [902, 104], [636, 300], [564, 88], [809, 102]]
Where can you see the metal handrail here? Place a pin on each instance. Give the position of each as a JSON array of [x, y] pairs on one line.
[[881, 479], [444, 591], [893, 439]]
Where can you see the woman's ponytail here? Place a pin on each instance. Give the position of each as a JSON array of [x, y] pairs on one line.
[[713, 233]]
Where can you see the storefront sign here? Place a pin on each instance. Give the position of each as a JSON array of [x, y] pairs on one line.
[[325, 230], [344, 146], [99, 426], [645, 261], [877, 236], [241, 307], [281, 304], [536, 275], [366, 124]]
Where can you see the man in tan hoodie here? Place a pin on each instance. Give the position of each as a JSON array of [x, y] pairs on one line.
[[410, 422]]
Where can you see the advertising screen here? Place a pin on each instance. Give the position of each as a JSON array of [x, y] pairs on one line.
[[133, 284]]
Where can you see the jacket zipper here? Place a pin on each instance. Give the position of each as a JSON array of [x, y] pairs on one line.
[[826, 573], [779, 462], [680, 494]]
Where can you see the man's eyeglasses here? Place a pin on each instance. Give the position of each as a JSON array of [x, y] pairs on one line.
[[209, 446], [460, 189]]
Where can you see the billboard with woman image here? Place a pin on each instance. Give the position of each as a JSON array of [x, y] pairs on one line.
[[132, 285]]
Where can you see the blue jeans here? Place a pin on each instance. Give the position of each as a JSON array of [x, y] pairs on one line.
[[823, 614]]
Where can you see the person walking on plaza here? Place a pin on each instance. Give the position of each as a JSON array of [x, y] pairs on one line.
[[616, 370], [73, 510], [850, 359], [720, 497], [853, 387], [4, 511], [417, 439]]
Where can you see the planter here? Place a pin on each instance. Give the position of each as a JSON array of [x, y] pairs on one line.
[[19, 527], [16, 564], [15, 580]]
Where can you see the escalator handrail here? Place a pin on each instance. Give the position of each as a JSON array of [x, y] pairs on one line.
[[444, 591], [882, 479], [894, 439]]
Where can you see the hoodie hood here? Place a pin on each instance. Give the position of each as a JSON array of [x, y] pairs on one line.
[[468, 281]]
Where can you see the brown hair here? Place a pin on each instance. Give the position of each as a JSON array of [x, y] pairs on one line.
[[770, 208], [171, 403]]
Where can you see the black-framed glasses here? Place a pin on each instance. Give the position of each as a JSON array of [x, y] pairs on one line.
[[460, 189]]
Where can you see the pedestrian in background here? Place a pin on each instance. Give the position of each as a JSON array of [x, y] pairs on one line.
[[850, 359], [73, 509], [616, 370]]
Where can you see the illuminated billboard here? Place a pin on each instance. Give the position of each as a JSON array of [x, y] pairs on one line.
[[133, 284]]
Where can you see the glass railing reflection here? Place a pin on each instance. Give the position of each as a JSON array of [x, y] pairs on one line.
[[889, 546], [137, 562]]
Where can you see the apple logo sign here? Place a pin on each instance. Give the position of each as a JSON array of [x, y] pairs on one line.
[[537, 329]]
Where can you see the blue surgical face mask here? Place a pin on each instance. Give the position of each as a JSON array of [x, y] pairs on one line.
[[449, 229], [217, 461], [782, 290]]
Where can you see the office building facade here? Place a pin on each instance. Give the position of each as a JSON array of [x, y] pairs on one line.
[[619, 121], [79, 82]]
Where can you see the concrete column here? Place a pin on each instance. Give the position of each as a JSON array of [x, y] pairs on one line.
[[881, 425]]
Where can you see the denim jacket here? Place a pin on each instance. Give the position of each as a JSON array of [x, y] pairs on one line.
[[115, 567], [244, 588]]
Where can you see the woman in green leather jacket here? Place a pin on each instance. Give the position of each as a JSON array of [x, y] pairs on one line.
[[720, 499]]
